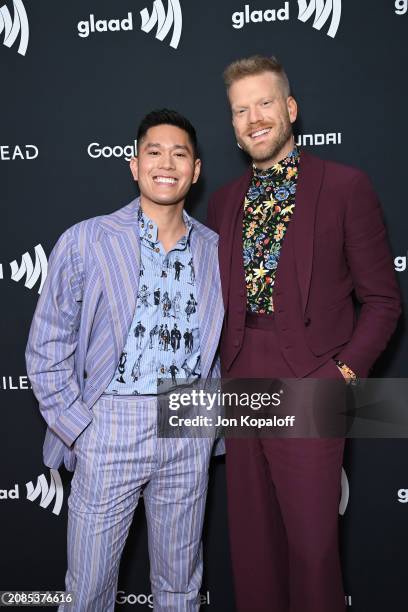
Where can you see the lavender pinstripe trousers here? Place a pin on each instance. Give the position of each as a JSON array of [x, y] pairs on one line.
[[117, 455]]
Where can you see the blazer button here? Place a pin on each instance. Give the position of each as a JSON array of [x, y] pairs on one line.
[[236, 342], [307, 321]]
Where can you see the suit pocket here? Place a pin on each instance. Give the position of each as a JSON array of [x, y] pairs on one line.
[[81, 440]]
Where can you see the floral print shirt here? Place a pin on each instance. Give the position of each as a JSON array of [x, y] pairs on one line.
[[268, 208]]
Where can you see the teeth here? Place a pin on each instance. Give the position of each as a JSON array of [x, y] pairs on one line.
[[260, 132], [165, 179]]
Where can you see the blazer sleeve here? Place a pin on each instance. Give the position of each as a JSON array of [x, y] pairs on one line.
[[53, 338], [371, 266]]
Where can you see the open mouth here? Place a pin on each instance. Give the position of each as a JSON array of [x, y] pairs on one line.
[[260, 133], [165, 180]]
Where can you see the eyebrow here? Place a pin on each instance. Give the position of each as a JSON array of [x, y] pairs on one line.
[[151, 145]]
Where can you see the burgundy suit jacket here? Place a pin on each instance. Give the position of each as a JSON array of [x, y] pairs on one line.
[[340, 250]]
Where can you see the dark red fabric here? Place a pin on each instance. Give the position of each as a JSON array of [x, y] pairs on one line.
[[283, 494], [339, 248]]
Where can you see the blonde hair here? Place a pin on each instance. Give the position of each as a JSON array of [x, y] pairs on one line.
[[256, 64]]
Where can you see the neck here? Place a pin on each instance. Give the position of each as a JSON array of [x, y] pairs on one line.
[[281, 154], [168, 218]]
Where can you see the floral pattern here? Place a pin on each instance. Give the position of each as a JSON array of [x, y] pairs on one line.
[[268, 208]]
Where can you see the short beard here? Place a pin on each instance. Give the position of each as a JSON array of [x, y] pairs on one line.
[[284, 134]]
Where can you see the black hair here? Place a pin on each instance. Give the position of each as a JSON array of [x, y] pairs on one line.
[[165, 116]]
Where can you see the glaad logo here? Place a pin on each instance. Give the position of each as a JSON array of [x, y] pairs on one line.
[[55, 489], [401, 7], [95, 150], [345, 492], [31, 271], [321, 9], [400, 263], [331, 138], [164, 21], [13, 28], [47, 492]]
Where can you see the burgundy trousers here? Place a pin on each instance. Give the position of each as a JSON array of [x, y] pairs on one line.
[[283, 501]]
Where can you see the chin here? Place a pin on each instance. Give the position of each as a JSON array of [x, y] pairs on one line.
[[166, 201]]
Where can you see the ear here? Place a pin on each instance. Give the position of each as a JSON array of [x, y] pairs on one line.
[[134, 168], [291, 105], [197, 170]]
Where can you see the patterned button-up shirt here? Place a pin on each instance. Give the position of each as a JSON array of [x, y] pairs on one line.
[[268, 209], [163, 340]]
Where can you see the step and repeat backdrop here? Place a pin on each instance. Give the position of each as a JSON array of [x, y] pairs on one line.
[[77, 77]]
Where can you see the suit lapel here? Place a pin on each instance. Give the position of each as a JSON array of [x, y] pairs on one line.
[[311, 172], [209, 297], [234, 208], [118, 256]]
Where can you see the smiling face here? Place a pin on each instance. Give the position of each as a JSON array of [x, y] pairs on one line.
[[262, 117], [165, 167]]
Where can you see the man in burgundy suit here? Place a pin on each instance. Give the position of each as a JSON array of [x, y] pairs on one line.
[[298, 238]]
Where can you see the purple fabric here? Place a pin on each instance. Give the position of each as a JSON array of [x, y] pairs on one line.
[[84, 313]]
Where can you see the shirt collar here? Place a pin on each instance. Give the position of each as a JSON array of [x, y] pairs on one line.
[[291, 160], [148, 230]]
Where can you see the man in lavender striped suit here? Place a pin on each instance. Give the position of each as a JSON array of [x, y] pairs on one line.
[[120, 294]]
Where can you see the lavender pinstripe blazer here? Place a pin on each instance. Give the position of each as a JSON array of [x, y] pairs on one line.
[[84, 313]]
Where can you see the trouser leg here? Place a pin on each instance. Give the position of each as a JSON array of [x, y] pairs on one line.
[[115, 456], [257, 534], [175, 503], [307, 477]]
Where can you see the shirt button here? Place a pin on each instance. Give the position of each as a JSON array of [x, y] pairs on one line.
[[157, 249], [149, 235], [150, 226]]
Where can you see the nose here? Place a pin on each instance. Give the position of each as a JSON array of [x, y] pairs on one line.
[[166, 161], [255, 114]]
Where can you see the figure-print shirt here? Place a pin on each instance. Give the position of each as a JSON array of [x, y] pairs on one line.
[[163, 341]]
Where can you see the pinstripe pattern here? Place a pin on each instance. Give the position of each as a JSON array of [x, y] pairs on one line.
[[116, 456], [84, 313]]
